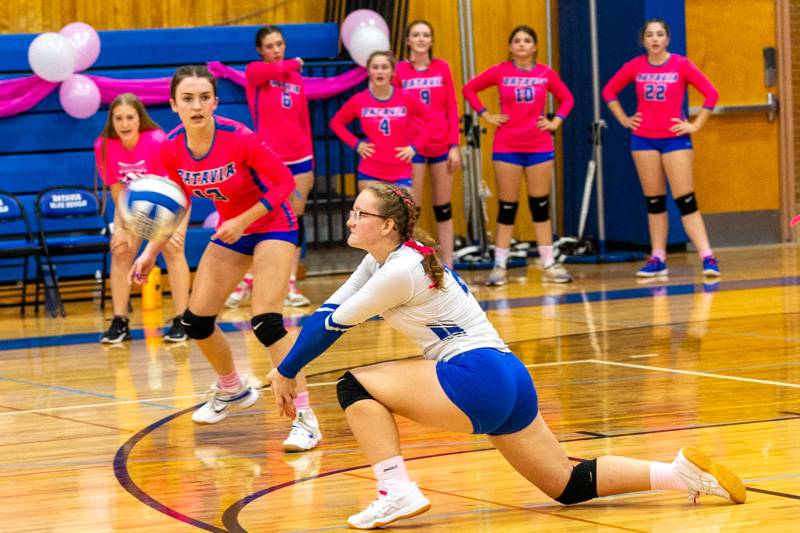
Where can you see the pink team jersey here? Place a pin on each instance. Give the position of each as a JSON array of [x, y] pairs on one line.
[[660, 91], [434, 88], [388, 125], [238, 171], [523, 95], [279, 108], [145, 158]]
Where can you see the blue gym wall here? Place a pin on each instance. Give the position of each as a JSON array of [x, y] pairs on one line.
[[618, 23], [44, 146]]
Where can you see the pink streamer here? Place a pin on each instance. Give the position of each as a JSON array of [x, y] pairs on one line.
[[18, 95]]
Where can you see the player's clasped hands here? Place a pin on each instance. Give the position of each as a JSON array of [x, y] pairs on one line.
[[404, 153], [284, 390], [682, 127], [365, 149]]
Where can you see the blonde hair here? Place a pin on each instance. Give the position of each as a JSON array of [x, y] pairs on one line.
[[396, 204]]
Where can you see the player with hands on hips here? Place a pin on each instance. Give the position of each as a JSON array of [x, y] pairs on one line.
[[661, 146], [387, 116], [523, 144]]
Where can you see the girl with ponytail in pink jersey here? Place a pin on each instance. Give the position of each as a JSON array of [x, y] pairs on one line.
[[387, 117], [220, 159], [129, 146], [660, 142], [279, 109], [523, 143], [430, 80]]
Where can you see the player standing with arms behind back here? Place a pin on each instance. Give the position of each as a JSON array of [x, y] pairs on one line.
[[430, 80], [660, 142], [220, 159]]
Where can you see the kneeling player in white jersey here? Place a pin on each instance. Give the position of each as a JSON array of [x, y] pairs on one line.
[[468, 380]]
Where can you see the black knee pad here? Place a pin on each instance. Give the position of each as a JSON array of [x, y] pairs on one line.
[[301, 231], [540, 208], [268, 328], [656, 204], [349, 390], [443, 212], [507, 212], [582, 484], [687, 204], [198, 327]]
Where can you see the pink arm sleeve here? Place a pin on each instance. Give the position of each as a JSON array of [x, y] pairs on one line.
[[700, 82], [562, 94], [482, 81], [618, 82], [268, 166], [452, 109], [259, 72], [344, 116]]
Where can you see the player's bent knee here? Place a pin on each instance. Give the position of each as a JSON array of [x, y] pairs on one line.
[[198, 327], [687, 204], [540, 208], [443, 212], [268, 328], [656, 204], [507, 212], [582, 484], [349, 390]]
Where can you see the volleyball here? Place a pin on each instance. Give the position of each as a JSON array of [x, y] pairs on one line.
[[152, 207]]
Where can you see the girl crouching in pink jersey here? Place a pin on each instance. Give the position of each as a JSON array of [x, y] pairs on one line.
[[129, 146]]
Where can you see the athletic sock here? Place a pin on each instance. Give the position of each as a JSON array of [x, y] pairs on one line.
[[392, 475]]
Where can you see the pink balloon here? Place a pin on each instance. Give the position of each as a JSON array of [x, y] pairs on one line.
[[79, 96], [362, 18], [86, 42]]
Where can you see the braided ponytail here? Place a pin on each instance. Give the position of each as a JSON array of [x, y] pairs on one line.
[[398, 206]]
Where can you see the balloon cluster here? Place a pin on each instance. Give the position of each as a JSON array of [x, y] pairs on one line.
[[364, 32], [58, 56]]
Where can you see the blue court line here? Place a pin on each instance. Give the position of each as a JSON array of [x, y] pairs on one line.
[[487, 305], [80, 392]]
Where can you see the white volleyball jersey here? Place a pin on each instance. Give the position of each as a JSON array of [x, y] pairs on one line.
[[444, 323]]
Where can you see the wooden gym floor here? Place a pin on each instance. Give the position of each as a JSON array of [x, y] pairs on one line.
[[96, 438]]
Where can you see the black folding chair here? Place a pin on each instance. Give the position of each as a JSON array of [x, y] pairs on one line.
[[17, 245], [71, 222]]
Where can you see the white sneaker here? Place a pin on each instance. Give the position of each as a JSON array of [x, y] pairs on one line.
[[702, 476], [556, 273], [295, 298], [497, 277], [221, 403], [239, 294], [390, 507], [305, 433]]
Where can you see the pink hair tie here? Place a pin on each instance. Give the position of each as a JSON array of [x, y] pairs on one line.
[[424, 250]]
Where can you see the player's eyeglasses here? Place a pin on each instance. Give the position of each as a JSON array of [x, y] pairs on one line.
[[356, 215]]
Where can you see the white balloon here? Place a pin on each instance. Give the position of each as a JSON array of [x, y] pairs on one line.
[[51, 57], [364, 41]]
